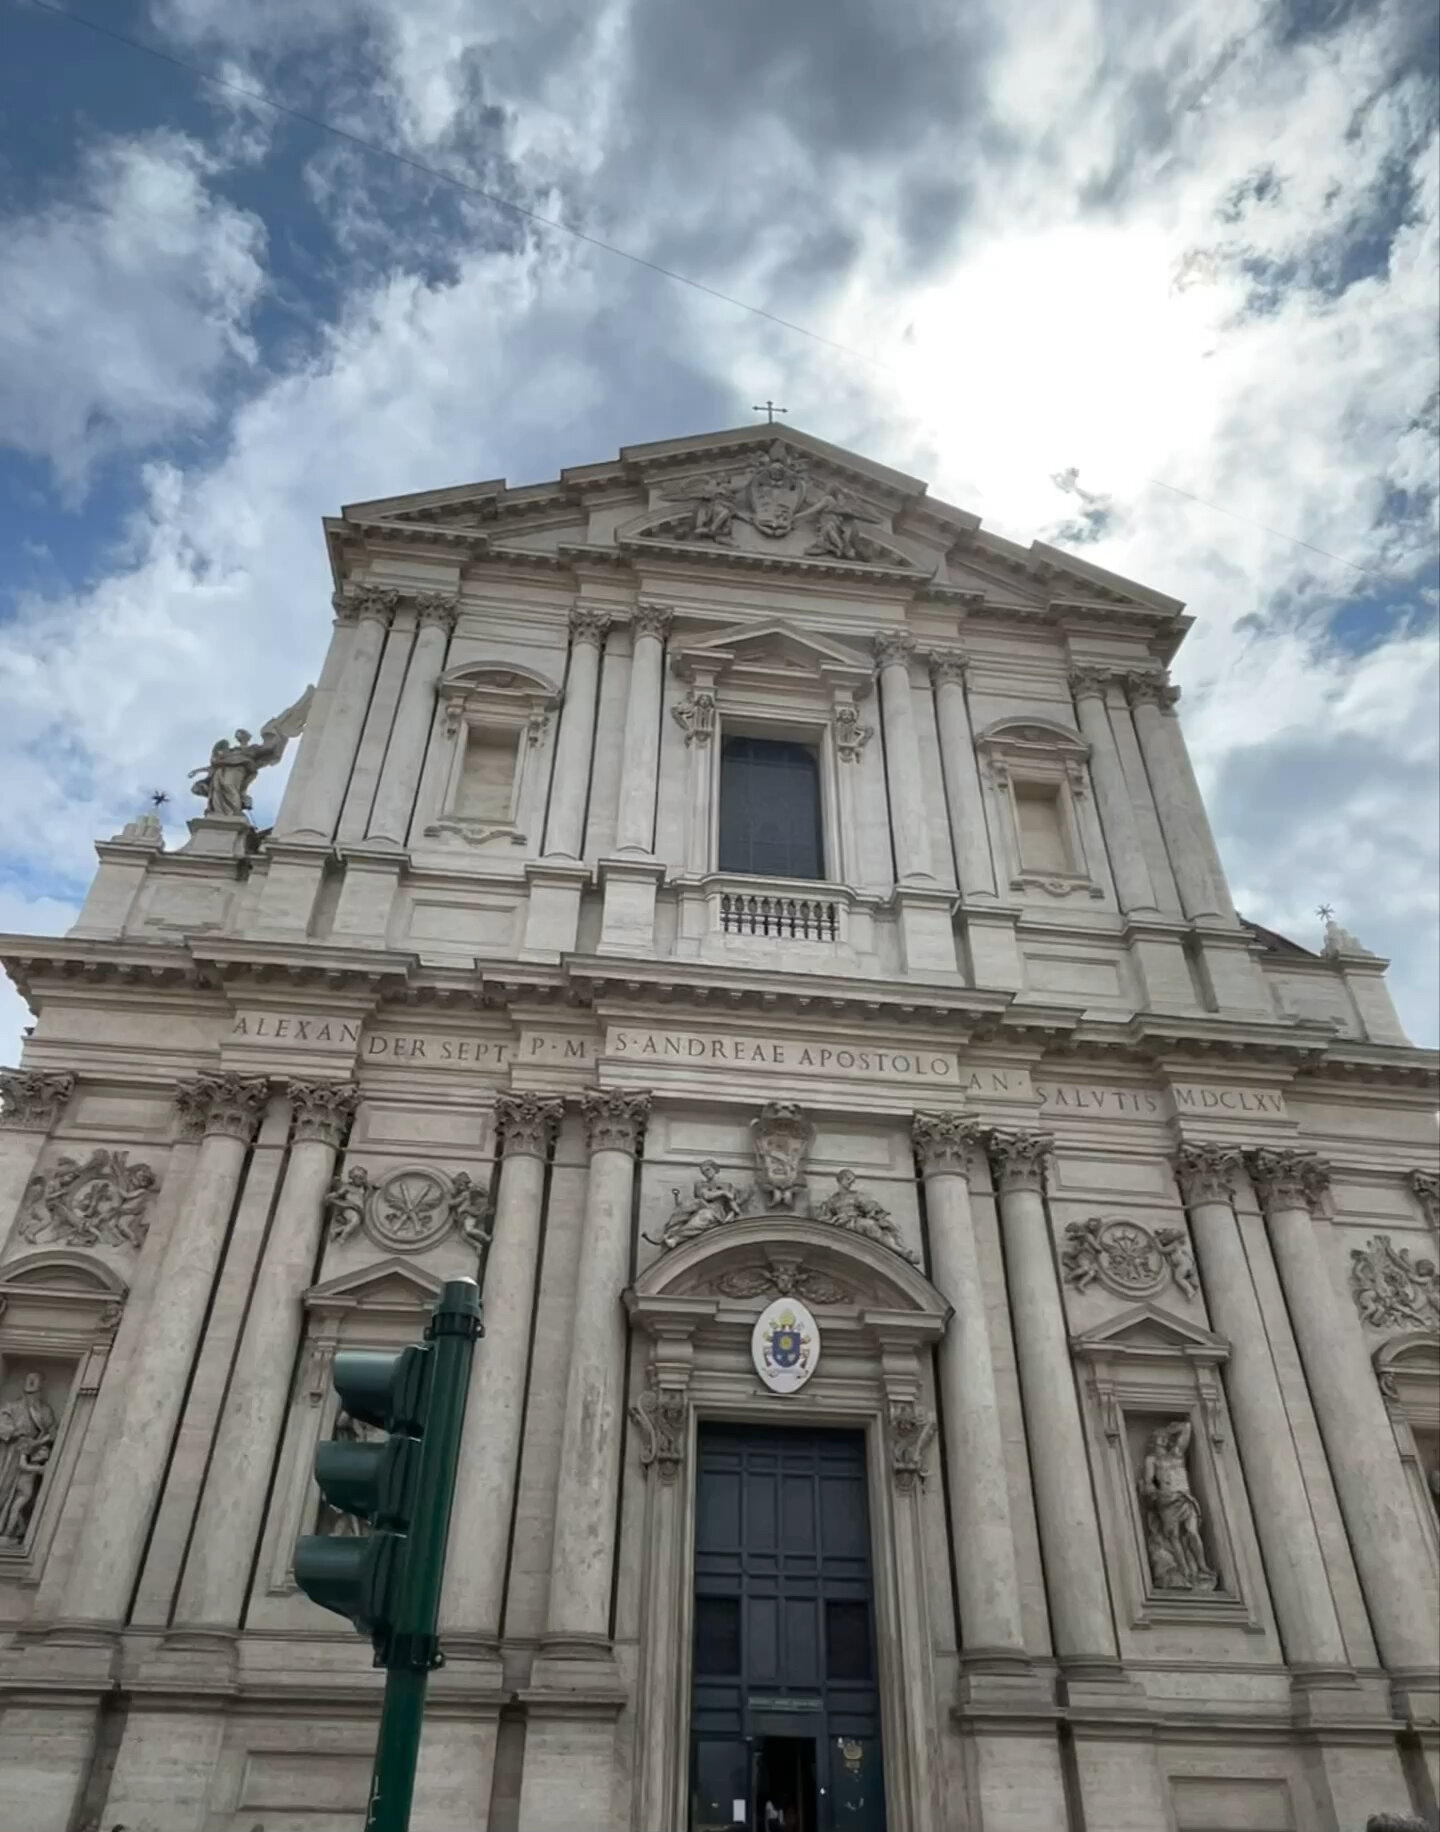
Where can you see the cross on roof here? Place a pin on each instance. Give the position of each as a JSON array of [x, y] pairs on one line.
[[769, 410], [1324, 911]]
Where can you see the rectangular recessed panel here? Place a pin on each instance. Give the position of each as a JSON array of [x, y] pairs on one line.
[[717, 1510], [717, 1637], [762, 1649], [798, 1504], [802, 1642]]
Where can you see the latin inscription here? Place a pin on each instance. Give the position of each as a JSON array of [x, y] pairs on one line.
[[1192, 1098], [270, 1027], [1073, 1097], [731, 1050], [1141, 1103]]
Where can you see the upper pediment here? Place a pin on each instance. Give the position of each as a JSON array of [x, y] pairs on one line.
[[1147, 1331], [390, 1284]]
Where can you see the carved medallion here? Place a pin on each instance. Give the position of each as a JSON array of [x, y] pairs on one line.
[[1391, 1290], [1126, 1257], [785, 1345], [409, 1208], [101, 1201]]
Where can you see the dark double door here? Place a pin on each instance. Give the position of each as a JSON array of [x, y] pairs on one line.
[[785, 1707]]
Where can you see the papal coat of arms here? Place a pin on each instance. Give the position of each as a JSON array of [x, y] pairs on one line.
[[785, 1345]]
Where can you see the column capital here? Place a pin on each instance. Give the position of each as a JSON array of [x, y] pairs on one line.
[[588, 623], [1425, 1187], [1150, 687], [436, 607], [1206, 1173], [650, 618], [1287, 1179], [1018, 1158], [323, 1110], [893, 648], [612, 1119], [1090, 680], [33, 1099], [229, 1105], [944, 1141], [376, 601], [527, 1123], [948, 666]]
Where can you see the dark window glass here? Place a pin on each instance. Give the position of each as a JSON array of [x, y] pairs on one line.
[[717, 1636], [847, 1640], [770, 809]]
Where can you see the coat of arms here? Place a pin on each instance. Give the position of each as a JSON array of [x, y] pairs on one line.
[[783, 1137], [785, 1345]]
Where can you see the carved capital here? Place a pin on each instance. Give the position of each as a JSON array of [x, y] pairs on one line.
[[910, 1429], [1287, 1179], [323, 1110], [527, 1123], [695, 715], [650, 619], [661, 1416], [893, 648], [949, 665], [1425, 1186], [613, 1120], [589, 625], [436, 607], [1090, 682], [1018, 1158], [228, 1104], [375, 601], [1206, 1173], [944, 1141], [1149, 687], [31, 1100]]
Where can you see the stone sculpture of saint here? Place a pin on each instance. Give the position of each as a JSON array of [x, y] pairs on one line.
[[849, 1208], [26, 1423], [1172, 1513], [713, 1203], [235, 763]]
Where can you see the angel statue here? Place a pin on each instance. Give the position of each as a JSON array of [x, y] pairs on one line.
[[712, 507], [836, 515], [225, 781]]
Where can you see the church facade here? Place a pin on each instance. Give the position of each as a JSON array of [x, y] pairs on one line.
[[962, 1330]]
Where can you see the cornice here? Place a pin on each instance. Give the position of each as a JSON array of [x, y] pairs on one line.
[[309, 964], [33, 959]]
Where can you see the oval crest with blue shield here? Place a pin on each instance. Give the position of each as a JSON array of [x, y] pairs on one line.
[[785, 1345]]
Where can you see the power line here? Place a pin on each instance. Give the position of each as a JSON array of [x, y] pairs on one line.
[[547, 222]]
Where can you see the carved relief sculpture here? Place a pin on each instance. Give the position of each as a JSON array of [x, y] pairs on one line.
[[1174, 1243], [32, 1098], [1126, 1257], [1172, 1513], [713, 1202], [782, 1136], [100, 1201], [861, 1214], [695, 715], [409, 1208], [769, 496], [659, 1415], [27, 1440], [1391, 1290], [837, 517], [471, 1210], [910, 1429], [787, 1278], [851, 736], [345, 1203], [234, 764]]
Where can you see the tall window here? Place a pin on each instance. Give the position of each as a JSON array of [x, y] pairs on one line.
[[770, 822]]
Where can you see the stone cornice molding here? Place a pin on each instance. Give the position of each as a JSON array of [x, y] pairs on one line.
[[1425, 1186], [893, 648], [527, 1123], [323, 1110], [1150, 687], [226, 1105], [650, 618], [31, 1100], [1206, 1173], [613, 1121], [944, 1141], [1018, 1159], [587, 624], [375, 601], [948, 666], [1285, 1179]]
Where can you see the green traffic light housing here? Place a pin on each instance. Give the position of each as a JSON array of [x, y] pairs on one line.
[[352, 1576], [384, 1390]]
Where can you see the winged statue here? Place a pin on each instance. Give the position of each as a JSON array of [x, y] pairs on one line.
[[235, 763], [837, 516]]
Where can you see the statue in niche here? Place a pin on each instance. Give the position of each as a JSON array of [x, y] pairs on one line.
[[234, 764], [1172, 1513], [713, 1202], [471, 1210], [27, 1438], [848, 1208], [783, 1137], [345, 1203]]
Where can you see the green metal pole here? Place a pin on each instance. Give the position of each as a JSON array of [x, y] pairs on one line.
[[414, 1648]]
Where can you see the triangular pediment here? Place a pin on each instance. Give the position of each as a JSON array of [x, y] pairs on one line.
[[391, 1284], [772, 646], [1147, 1331]]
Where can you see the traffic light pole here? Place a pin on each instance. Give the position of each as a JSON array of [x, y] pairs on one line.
[[414, 1649]]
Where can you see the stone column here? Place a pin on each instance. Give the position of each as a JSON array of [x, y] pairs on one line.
[[1193, 858], [1374, 1495], [405, 755], [232, 1508], [370, 608], [635, 825], [31, 1100], [565, 835], [991, 1625], [579, 1609], [1294, 1562], [474, 1592], [1064, 1497], [224, 1109], [968, 827], [1112, 793], [903, 770]]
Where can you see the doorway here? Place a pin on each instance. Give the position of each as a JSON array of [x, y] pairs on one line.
[[785, 1793]]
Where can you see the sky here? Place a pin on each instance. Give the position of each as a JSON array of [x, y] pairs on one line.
[[1156, 282]]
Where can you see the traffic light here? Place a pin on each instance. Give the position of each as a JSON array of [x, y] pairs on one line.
[[387, 1582]]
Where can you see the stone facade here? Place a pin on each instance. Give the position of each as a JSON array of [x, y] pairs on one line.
[[1115, 1215]]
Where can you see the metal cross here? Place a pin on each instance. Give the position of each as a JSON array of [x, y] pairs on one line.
[[158, 798], [1324, 912], [769, 410]]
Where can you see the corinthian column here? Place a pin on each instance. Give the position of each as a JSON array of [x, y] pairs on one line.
[[991, 1625], [635, 826], [224, 1111], [1112, 793], [405, 753], [1064, 1497], [370, 609], [1374, 1495], [489, 1462], [232, 1508], [1199, 876], [31, 1100], [969, 830], [1294, 1562], [579, 1606], [902, 756], [575, 739]]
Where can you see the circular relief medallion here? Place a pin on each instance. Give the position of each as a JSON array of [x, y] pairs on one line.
[[1130, 1259], [408, 1209], [785, 1345]]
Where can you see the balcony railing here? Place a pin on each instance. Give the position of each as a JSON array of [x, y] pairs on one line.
[[780, 918]]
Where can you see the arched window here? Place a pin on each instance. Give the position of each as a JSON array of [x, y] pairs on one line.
[[770, 820]]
